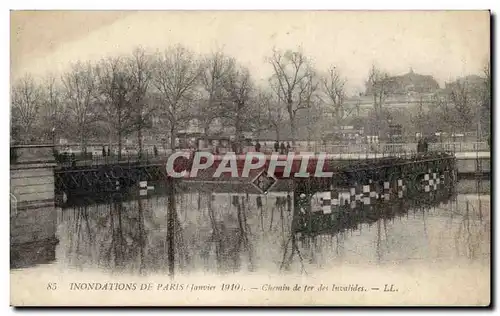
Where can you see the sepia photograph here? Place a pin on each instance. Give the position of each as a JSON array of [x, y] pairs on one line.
[[250, 158]]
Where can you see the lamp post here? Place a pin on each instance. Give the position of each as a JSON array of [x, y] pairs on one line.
[[53, 134], [390, 134]]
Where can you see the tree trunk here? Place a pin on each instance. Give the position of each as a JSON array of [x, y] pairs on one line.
[[277, 133], [377, 114], [110, 140], [82, 139], [237, 127], [309, 136], [205, 135], [292, 127], [119, 130], [139, 139], [120, 144], [173, 136], [292, 121]]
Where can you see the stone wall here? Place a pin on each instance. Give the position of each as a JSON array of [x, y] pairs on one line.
[[470, 165], [33, 217]]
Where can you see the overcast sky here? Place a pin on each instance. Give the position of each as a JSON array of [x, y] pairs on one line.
[[442, 44]]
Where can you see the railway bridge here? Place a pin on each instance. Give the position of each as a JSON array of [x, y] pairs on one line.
[[102, 176]]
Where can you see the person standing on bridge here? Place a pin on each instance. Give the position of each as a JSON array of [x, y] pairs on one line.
[[288, 147], [276, 146], [420, 146], [103, 151], [282, 148], [257, 146], [425, 144]]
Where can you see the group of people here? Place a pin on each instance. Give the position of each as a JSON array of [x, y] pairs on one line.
[[282, 149], [108, 152]]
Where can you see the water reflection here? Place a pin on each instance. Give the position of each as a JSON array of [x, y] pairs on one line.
[[201, 228]]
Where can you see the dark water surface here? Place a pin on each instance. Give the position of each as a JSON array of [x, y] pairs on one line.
[[206, 230]]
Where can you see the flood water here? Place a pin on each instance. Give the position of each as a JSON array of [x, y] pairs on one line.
[[216, 232]]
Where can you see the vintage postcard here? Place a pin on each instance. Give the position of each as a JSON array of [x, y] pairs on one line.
[[250, 158]]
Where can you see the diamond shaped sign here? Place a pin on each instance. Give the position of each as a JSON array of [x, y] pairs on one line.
[[264, 181]]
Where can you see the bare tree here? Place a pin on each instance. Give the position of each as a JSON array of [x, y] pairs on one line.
[[421, 116], [314, 114], [294, 78], [175, 78], [238, 87], [116, 88], [428, 118], [261, 109], [275, 109], [53, 107], [26, 102], [333, 85], [217, 67], [80, 92], [462, 101], [487, 79], [445, 113], [140, 69], [379, 85], [486, 101]]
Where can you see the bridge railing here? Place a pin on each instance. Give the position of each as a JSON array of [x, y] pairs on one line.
[[349, 151], [460, 146], [392, 147], [148, 156]]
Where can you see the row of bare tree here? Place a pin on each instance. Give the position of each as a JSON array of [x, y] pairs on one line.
[[464, 106], [119, 96]]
